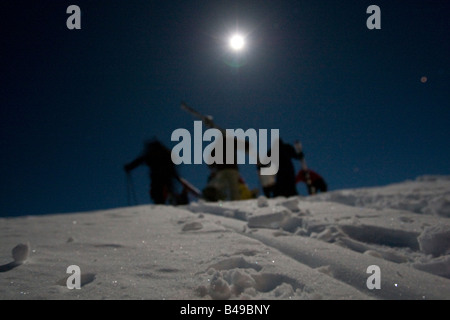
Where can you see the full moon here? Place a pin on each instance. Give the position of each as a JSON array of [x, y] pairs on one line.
[[237, 42]]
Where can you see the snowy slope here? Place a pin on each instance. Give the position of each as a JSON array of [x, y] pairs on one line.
[[297, 248]]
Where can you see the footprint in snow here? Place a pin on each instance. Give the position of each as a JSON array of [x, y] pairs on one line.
[[84, 279]]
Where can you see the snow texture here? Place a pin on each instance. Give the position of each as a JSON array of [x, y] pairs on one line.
[[317, 247]]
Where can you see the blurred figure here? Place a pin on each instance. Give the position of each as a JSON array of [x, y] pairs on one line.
[[283, 184], [314, 182], [163, 173], [224, 182]]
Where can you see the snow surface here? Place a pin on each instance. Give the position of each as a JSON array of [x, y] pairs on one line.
[[317, 247]]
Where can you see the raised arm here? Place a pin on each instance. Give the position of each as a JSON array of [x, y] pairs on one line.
[[134, 164]]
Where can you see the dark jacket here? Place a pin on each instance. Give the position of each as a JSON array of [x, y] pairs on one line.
[[163, 172], [285, 179]]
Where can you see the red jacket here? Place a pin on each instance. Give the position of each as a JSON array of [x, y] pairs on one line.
[[302, 178]]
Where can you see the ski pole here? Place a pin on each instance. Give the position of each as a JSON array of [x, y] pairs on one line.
[[131, 194]]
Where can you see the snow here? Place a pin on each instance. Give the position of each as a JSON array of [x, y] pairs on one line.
[[318, 247]]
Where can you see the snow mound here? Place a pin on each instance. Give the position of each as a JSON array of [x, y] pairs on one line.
[[272, 220], [20, 252], [425, 195], [435, 240], [433, 178], [374, 230], [318, 247], [192, 226]]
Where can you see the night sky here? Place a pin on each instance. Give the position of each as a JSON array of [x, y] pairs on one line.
[[370, 106]]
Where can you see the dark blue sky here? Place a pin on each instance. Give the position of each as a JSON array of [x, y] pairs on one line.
[[77, 104]]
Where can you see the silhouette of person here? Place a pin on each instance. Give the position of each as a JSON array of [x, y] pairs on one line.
[[285, 184], [163, 173], [224, 181]]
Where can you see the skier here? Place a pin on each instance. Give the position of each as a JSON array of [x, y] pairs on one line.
[[285, 184], [224, 180], [162, 173], [317, 182]]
